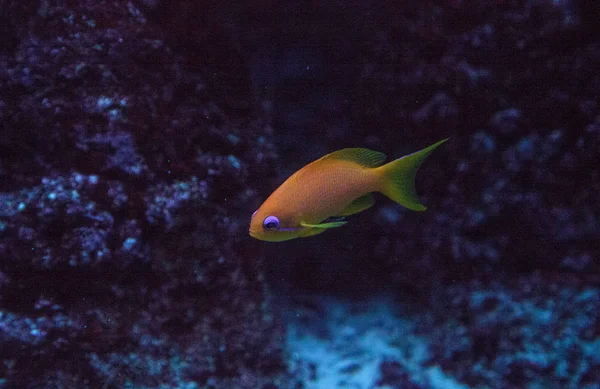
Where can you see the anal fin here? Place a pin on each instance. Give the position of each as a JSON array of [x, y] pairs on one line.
[[358, 205]]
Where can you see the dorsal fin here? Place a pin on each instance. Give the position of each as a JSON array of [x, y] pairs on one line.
[[363, 157]]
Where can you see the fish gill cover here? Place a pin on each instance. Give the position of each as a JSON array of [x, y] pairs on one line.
[[137, 137]]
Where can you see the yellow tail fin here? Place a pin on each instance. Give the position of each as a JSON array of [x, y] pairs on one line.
[[399, 178]]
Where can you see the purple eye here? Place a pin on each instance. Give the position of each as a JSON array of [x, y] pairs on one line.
[[271, 223]]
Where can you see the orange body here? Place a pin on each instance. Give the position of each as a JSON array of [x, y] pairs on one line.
[[317, 191], [338, 184]]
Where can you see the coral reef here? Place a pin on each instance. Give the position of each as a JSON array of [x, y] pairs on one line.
[[124, 166]]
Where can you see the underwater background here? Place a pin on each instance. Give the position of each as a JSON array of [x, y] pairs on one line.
[[137, 137]]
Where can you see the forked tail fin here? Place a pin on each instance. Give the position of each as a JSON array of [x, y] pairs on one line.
[[399, 178]]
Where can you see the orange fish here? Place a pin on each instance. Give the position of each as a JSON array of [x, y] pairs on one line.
[[336, 185]]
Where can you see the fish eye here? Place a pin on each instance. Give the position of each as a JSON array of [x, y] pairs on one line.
[[271, 223]]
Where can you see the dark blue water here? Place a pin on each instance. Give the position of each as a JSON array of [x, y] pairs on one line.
[[137, 138]]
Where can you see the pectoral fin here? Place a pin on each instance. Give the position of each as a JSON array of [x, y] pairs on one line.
[[323, 225]]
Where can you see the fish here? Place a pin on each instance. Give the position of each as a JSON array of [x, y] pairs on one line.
[[320, 195]]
